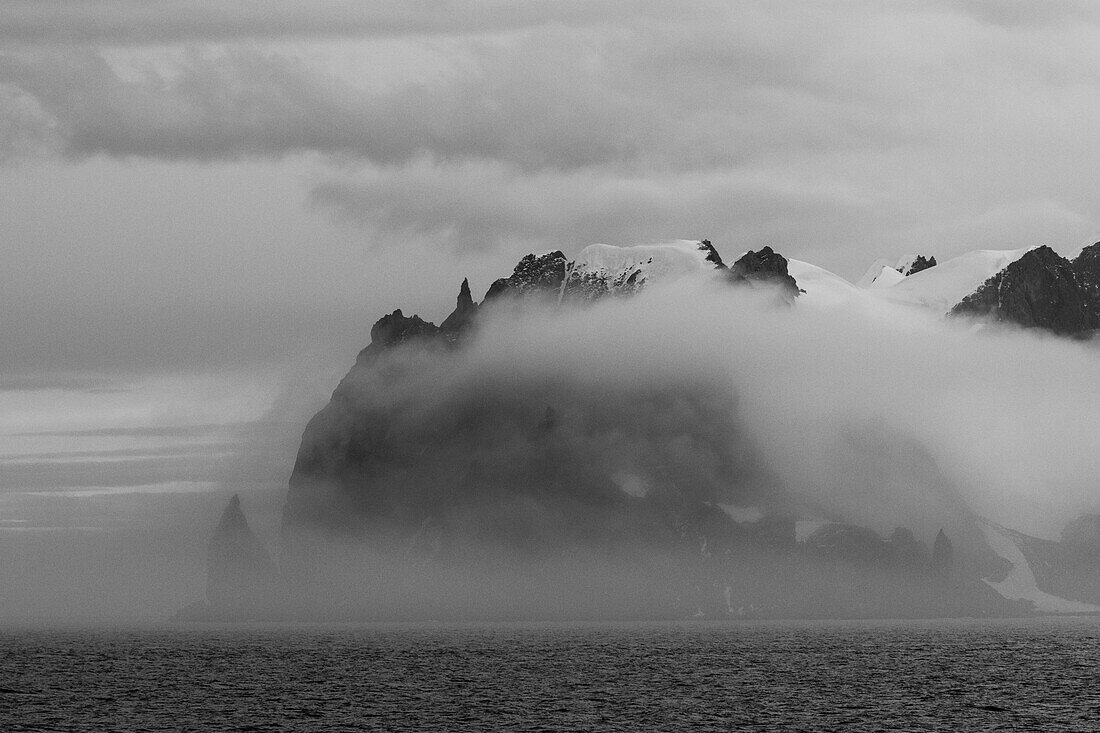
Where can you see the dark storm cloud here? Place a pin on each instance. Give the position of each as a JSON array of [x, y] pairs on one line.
[[679, 96]]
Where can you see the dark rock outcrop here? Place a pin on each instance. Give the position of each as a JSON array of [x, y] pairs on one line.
[[943, 554], [240, 575], [1087, 268], [919, 264], [397, 329], [713, 256], [534, 276], [1039, 290], [463, 315], [765, 267]]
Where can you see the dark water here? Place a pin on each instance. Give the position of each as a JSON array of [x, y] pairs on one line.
[[1020, 675]]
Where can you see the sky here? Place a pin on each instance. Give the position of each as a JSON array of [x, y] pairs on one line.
[[205, 205]]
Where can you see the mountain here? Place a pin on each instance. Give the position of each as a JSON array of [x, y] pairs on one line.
[[912, 264], [882, 274], [602, 269], [452, 475], [1055, 577], [1039, 290], [939, 288], [1032, 287], [241, 576]]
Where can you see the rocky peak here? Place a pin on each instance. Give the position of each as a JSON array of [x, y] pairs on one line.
[[765, 267], [712, 254], [463, 314], [603, 270], [396, 329], [534, 275], [239, 569], [943, 553], [1040, 290], [916, 264]]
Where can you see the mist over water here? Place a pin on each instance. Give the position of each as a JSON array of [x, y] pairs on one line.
[[881, 416]]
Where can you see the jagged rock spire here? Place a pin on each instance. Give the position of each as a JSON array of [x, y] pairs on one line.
[[943, 554], [240, 574], [464, 311]]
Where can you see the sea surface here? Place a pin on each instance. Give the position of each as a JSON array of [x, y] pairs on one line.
[[1031, 675]]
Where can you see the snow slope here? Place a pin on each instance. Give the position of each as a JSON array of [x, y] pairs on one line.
[[886, 277], [664, 261], [944, 285], [872, 272], [1019, 584], [822, 287]]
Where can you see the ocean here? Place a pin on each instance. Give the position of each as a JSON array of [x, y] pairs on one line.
[[966, 675]]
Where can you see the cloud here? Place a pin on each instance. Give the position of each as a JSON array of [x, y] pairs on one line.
[[836, 135], [51, 381], [126, 22], [675, 96], [487, 206]]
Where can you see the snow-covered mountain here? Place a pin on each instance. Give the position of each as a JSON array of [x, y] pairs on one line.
[[941, 287], [937, 288], [644, 262]]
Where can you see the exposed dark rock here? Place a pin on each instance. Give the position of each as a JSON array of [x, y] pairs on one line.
[[591, 286], [1087, 268], [240, 575], [397, 329], [1039, 290], [918, 264], [943, 554], [765, 267], [712, 254], [463, 314], [533, 277]]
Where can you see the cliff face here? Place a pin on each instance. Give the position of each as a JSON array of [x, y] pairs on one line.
[[1039, 290], [1087, 268], [452, 476], [424, 456]]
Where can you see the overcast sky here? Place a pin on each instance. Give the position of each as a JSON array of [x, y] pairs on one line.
[[208, 183], [197, 197]]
